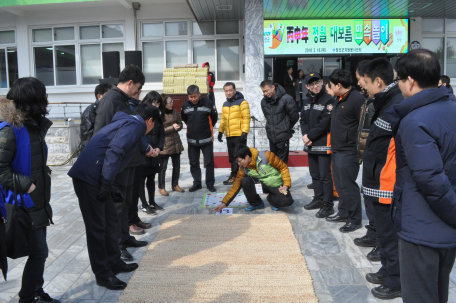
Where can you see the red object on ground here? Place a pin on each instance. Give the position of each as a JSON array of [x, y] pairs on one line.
[[295, 159]]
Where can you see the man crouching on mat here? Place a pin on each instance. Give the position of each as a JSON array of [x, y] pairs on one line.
[[260, 172]]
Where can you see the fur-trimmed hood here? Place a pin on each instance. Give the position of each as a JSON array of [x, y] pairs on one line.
[[10, 114]]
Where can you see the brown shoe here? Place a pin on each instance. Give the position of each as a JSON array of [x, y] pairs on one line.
[[143, 225], [163, 192], [136, 230], [177, 188]]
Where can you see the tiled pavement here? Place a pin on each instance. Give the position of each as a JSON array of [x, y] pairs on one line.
[[337, 265]]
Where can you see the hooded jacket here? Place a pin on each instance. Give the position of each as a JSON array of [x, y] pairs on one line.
[[424, 197], [200, 119], [379, 169], [281, 115], [110, 150], [41, 211], [235, 116], [316, 122], [345, 121]]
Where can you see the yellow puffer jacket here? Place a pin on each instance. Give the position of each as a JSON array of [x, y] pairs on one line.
[[235, 117]]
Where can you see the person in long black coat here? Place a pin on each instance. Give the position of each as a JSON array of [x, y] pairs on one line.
[[289, 82]]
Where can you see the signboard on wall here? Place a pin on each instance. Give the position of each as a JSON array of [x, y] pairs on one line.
[[336, 36]]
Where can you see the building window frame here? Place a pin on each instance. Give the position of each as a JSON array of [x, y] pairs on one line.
[[77, 42], [6, 47]]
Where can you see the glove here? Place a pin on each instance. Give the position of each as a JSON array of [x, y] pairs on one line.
[[116, 195], [220, 135], [244, 136], [105, 192]]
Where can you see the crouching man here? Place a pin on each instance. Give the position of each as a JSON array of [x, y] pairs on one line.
[[106, 155], [260, 172]]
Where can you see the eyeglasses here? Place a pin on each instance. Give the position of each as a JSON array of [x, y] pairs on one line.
[[315, 84], [238, 162], [399, 79]]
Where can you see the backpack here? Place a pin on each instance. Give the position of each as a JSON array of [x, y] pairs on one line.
[[88, 124]]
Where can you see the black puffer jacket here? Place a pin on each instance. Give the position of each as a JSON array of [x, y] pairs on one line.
[[41, 212], [281, 115]]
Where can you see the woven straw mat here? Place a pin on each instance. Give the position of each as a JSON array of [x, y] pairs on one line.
[[222, 258]]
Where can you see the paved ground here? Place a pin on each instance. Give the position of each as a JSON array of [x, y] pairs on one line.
[[337, 266]]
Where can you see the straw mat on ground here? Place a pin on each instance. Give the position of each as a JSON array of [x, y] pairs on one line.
[[222, 258]]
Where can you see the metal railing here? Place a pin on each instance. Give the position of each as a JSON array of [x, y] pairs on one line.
[[66, 110]]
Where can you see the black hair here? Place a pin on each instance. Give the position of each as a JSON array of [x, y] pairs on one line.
[[102, 89], [361, 67], [147, 111], [288, 67], [341, 76], [193, 89], [300, 70], [445, 80], [29, 97], [154, 97], [132, 72], [241, 150], [266, 83], [380, 68], [421, 65], [230, 84]]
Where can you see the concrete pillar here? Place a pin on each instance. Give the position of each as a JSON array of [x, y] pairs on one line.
[[254, 55]]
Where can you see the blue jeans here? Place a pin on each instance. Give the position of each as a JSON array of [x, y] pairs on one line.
[[32, 277]]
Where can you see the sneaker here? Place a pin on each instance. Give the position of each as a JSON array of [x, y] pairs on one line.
[[251, 208], [275, 208], [156, 207], [385, 293], [310, 186], [149, 210], [374, 255], [325, 211], [42, 297], [316, 203], [195, 188], [230, 181], [364, 242]]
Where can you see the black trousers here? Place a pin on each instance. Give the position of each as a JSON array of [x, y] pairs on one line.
[[320, 171], [371, 226], [101, 220], [211, 96], [276, 198], [388, 240], [231, 143], [138, 182], [280, 149], [32, 276], [345, 171], [125, 181], [164, 165], [425, 272], [195, 169]]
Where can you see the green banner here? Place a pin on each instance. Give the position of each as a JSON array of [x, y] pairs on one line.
[[335, 36], [5, 3]]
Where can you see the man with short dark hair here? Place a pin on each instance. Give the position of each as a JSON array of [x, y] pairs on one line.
[[445, 81], [315, 126], [94, 178], [379, 175], [424, 199], [131, 79], [235, 123], [345, 156], [281, 115], [200, 115], [259, 172]]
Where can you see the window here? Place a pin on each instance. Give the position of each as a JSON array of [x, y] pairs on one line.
[[152, 29], [71, 55], [204, 51], [7, 37], [153, 61], [433, 25], [176, 28], [451, 58], [176, 53], [203, 28], [227, 60], [227, 27], [435, 45], [451, 25], [8, 58]]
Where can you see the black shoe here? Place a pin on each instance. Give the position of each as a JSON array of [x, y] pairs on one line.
[[42, 297], [112, 283], [194, 188], [325, 211], [385, 293], [149, 210], [128, 267], [212, 189], [124, 254], [316, 203], [336, 218], [364, 242], [349, 227], [156, 207], [132, 242], [310, 186], [375, 278], [374, 255]]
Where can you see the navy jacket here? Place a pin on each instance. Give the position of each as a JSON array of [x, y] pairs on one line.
[[110, 150], [424, 198]]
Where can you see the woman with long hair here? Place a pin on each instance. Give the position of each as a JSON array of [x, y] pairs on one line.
[[301, 90], [173, 146], [24, 123]]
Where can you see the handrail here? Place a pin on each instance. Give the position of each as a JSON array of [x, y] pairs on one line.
[[71, 113]]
